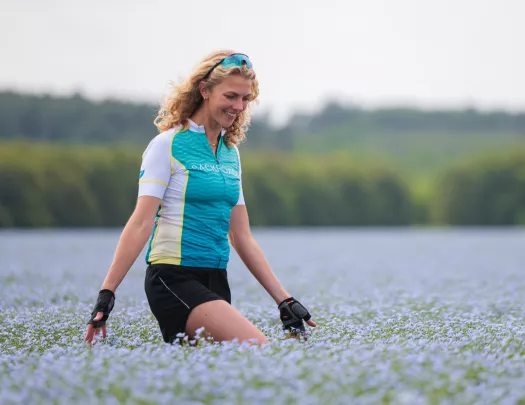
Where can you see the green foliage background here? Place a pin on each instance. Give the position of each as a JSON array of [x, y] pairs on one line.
[[74, 162]]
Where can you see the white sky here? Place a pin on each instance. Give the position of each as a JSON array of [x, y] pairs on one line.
[[373, 52]]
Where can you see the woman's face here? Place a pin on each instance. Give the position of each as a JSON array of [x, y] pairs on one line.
[[229, 98]]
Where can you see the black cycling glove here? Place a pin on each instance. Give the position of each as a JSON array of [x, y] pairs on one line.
[[292, 314], [105, 303]]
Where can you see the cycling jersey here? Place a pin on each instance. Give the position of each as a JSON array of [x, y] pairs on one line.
[[198, 191]]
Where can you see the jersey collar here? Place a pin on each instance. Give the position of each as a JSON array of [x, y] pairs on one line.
[[200, 128]]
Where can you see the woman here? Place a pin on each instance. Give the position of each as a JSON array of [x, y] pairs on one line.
[[190, 202]]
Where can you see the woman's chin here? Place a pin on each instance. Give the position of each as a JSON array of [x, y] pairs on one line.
[[227, 122]]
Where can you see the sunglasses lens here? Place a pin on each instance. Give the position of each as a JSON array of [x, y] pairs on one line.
[[237, 59]]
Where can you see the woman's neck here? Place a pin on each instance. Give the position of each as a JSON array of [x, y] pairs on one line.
[[212, 127]]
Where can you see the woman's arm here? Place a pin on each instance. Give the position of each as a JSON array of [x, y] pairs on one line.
[[251, 254], [132, 240], [131, 243]]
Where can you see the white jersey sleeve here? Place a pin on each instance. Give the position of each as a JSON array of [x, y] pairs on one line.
[[155, 170], [241, 195]]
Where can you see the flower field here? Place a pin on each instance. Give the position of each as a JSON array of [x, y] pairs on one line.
[[404, 317]]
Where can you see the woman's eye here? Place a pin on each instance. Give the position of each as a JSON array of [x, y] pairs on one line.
[[230, 97]]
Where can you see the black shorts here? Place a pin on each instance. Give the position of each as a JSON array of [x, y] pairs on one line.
[[173, 291]]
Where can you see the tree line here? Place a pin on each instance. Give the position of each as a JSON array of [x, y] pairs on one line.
[[45, 185], [76, 120]]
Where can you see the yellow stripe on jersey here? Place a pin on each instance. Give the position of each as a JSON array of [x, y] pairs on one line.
[[153, 181]]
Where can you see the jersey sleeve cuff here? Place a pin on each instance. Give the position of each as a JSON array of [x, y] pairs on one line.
[[155, 188]]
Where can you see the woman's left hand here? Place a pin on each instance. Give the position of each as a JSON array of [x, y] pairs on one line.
[[292, 314]]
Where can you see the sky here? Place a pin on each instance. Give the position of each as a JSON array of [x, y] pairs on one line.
[[432, 54]]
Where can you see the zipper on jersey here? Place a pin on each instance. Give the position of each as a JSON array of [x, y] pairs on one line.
[[216, 154], [219, 148], [219, 141]]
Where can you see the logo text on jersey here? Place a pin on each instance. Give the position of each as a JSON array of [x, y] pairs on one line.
[[215, 168]]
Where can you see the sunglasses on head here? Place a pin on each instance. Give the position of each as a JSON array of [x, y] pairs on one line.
[[235, 59]]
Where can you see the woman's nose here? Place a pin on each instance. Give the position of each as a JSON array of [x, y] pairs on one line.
[[238, 104]]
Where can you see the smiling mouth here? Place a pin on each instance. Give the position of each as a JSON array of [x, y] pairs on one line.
[[230, 114]]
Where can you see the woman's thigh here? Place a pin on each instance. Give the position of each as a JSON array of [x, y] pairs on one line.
[[223, 322]]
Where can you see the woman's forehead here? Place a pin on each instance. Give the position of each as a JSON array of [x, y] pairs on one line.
[[237, 84]]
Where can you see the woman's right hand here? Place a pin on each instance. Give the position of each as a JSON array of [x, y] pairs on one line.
[[100, 314]]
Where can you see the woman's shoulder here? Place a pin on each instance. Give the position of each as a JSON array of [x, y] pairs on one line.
[[161, 142], [168, 134], [235, 149], [165, 137]]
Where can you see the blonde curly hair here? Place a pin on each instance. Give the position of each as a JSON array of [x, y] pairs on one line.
[[186, 97]]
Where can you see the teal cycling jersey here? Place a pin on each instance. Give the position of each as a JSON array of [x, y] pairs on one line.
[[198, 190]]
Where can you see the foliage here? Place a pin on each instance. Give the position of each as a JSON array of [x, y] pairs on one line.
[[46, 185]]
